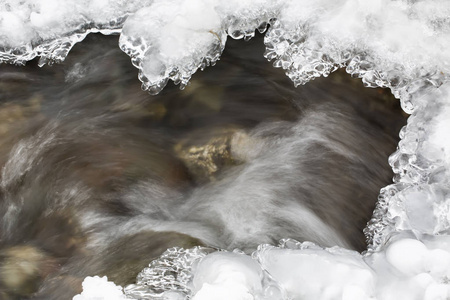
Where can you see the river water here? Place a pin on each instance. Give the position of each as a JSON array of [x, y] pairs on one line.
[[99, 177]]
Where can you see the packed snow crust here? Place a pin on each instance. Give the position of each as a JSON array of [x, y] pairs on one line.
[[397, 44]]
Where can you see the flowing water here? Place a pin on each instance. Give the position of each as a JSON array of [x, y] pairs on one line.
[[99, 178]]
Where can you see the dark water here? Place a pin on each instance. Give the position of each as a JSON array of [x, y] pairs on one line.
[[99, 178]]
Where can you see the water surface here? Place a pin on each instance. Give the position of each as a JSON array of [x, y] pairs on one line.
[[99, 178]]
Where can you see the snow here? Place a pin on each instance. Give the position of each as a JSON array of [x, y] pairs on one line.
[[228, 276], [405, 268], [99, 288], [178, 44], [396, 44]]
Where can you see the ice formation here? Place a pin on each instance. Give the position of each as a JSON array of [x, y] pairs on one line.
[[407, 268], [100, 288], [397, 44]]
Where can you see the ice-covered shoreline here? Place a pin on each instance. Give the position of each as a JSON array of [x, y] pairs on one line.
[[405, 268], [396, 44], [401, 45]]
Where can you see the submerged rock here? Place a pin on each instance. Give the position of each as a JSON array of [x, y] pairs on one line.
[[13, 112], [22, 269], [207, 153]]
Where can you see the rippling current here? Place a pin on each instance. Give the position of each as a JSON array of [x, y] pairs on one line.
[[99, 178]]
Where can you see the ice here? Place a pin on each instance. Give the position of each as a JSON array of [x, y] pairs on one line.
[[402, 45], [50, 28], [396, 44], [307, 271], [179, 43], [386, 43], [418, 200], [169, 276], [228, 275], [406, 268], [99, 288]]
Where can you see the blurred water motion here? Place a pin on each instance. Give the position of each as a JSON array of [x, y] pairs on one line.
[[99, 178]]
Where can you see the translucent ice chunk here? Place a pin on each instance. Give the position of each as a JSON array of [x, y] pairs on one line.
[[306, 271], [404, 268], [419, 198], [177, 44], [228, 275], [49, 29], [397, 44], [169, 276]]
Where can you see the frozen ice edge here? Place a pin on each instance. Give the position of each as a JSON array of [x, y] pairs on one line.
[[55, 50], [305, 46]]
